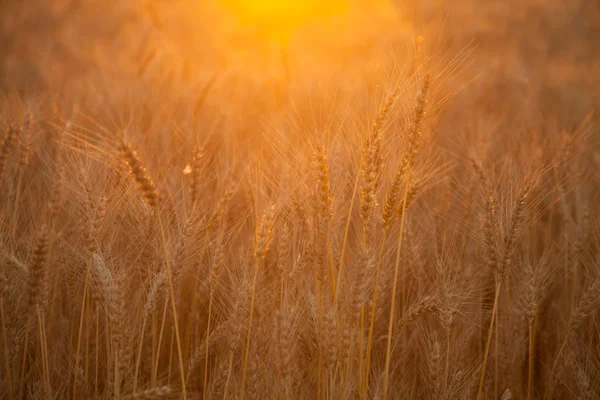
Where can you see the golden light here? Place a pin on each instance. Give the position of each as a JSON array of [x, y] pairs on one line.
[[279, 19], [308, 42]]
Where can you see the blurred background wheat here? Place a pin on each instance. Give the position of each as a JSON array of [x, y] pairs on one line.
[[299, 199]]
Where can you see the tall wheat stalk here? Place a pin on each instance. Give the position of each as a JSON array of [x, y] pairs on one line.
[[263, 241], [149, 192], [502, 270], [5, 344], [414, 141], [36, 290], [388, 353]]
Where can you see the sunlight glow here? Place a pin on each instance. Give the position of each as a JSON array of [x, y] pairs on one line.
[[279, 19]]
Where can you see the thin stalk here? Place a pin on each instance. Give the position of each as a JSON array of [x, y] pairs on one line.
[[555, 363], [447, 368], [170, 360], [574, 285], [5, 343], [173, 307], [346, 375], [154, 350], [530, 361], [361, 350], [210, 303], [80, 331], [394, 288], [332, 269], [160, 336], [489, 338], [16, 206], [319, 319], [24, 362], [45, 337], [117, 383], [87, 339], [42, 352], [507, 288], [346, 231], [139, 357], [229, 368], [53, 304], [247, 350], [480, 331], [190, 323], [496, 344], [373, 309], [108, 349], [96, 371]]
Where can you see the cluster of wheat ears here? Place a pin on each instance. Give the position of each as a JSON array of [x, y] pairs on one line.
[[340, 263]]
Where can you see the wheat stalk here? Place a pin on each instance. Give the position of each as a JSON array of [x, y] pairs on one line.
[[261, 246], [149, 192]]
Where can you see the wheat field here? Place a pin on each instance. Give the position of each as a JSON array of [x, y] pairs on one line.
[[237, 199]]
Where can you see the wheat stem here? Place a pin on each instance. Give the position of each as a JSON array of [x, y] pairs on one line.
[[97, 361], [489, 338], [557, 358], [360, 354], [87, 338], [394, 288], [530, 361], [5, 342], [117, 382], [346, 231], [44, 352], [496, 345], [373, 309], [207, 342], [332, 270], [139, 356], [248, 335], [190, 322], [447, 367], [159, 344], [173, 306], [24, 362], [16, 205], [80, 331], [170, 359], [229, 368]]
